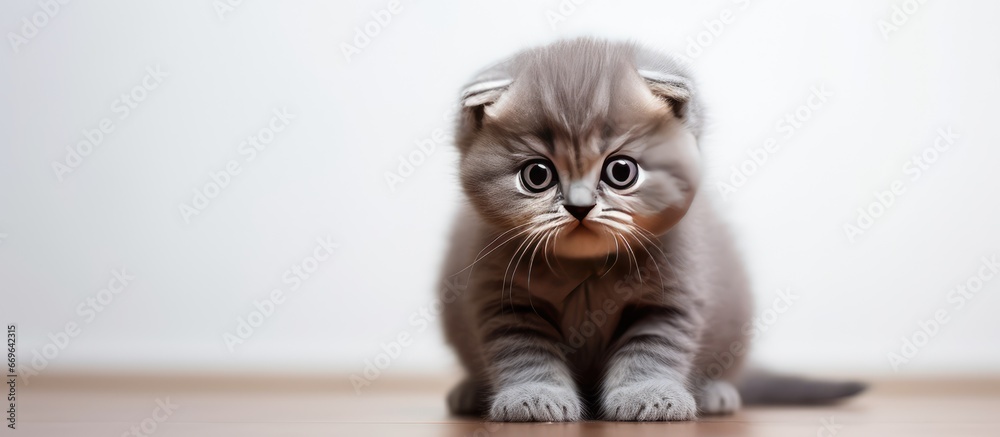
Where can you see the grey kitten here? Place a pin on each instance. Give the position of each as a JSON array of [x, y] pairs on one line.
[[596, 276]]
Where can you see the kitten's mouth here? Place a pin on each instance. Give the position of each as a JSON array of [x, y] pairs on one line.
[[586, 226], [586, 239], [579, 232], [578, 227]]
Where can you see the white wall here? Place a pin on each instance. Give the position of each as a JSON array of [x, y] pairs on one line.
[[324, 174]]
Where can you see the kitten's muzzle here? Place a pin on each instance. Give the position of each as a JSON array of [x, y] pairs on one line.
[[580, 212]]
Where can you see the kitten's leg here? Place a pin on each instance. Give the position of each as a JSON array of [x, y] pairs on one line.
[[646, 375], [530, 380], [717, 397]]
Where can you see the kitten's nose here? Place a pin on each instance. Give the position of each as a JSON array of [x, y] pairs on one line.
[[578, 211]]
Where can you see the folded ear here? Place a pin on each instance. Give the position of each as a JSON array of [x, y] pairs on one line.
[[675, 90], [478, 96], [484, 92]]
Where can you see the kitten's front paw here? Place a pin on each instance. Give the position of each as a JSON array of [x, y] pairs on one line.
[[649, 401], [718, 397], [535, 402]]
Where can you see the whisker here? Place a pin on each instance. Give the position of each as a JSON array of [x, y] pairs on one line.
[[531, 243], [652, 258], [634, 258], [555, 241], [643, 233], [532, 233], [612, 224], [617, 255], [663, 255], [531, 262], [503, 285], [631, 229], [545, 250], [480, 258]]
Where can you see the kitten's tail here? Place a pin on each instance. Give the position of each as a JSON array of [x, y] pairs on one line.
[[760, 387]]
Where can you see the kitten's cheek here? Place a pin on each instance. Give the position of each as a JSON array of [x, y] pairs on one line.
[[662, 222]]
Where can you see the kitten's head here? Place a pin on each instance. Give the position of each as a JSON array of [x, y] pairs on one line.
[[585, 143]]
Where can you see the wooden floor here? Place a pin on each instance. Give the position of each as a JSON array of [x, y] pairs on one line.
[[303, 406]]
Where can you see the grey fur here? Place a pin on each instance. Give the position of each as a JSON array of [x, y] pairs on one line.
[[624, 315], [758, 387]]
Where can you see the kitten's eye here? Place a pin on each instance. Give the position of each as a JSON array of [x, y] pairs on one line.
[[621, 172], [538, 176]]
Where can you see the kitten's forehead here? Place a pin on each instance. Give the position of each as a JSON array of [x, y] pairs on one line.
[[547, 105], [578, 130], [577, 101], [575, 156]]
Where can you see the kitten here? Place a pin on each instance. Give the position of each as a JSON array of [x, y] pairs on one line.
[[597, 280]]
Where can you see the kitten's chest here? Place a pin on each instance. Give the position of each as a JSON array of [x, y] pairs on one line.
[[589, 316], [587, 304]]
